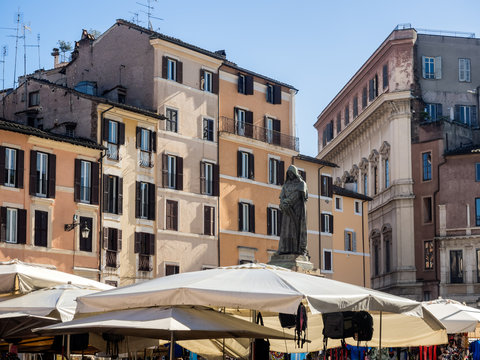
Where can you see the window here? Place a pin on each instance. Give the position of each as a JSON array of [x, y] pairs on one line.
[[34, 98], [358, 207], [42, 174], [171, 69], [327, 223], [276, 170], [13, 225], [364, 97], [86, 243], [427, 210], [387, 239], [274, 221], [41, 228], [466, 114], [172, 120], [245, 84], [350, 241], [326, 186], [338, 203], [339, 123], [172, 171], [375, 180], [427, 296], [385, 76], [433, 112], [478, 265], [11, 163], [146, 141], [240, 120], [171, 221], [112, 243], [245, 165], [464, 70], [112, 194], [428, 254], [144, 247], [208, 129], [376, 259], [246, 217], [427, 166], [386, 169], [244, 122], [269, 129], [274, 95], [456, 266], [303, 175], [86, 181], [70, 130], [114, 135], [208, 178], [327, 260], [432, 67], [355, 107], [206, 80], [347, 115], [171, 269], [477, 211], [365, 184], [209, 220], [477, 172], [373, 88], [145, 200]]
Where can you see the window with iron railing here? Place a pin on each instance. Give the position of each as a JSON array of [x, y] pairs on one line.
[[144, 263], [111, 258]]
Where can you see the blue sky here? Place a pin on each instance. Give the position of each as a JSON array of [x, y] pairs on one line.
[[316, 46]]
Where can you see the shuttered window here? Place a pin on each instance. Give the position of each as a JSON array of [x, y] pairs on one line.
[[13, 225], [11, 167], [41, 228], [326, 186], [208, 220], [172, 69], [327, 223], [246, 217], [144, 243], [171, 219], [347, 115], [276, 171], [245, 84], [145, 200], [274, 221], [464, 70], [112, 194], [172, 171], [245, 165]]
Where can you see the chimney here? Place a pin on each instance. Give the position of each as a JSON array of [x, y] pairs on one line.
[[56, 55]]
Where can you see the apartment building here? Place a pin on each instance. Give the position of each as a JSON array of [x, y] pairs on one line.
[[49, 216], [389, 129]]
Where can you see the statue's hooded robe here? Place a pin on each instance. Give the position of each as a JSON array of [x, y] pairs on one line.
[[293, 197]]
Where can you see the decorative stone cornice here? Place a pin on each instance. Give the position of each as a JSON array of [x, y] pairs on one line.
[[385, 149]]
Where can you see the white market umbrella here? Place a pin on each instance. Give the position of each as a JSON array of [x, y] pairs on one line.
[[273, 289], [17, 325], [456, 317], [17, 276]]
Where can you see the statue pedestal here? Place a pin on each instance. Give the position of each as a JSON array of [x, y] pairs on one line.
[[295, 262]]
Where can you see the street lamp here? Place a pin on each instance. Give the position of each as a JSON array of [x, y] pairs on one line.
[[84, 230]]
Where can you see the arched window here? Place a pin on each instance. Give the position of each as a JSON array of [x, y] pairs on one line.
[[375, 239], [387, 243]]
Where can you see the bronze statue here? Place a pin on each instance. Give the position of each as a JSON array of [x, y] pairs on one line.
[[293, 198]]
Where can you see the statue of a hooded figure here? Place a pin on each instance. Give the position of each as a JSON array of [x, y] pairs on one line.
[[293, 198]]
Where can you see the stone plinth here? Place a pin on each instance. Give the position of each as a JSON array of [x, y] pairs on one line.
[[293, 262]]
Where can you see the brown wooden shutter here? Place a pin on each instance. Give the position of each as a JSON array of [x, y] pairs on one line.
[[179, 174], [121, 133], [151, 242], [52, 170], [206, 220], [216, 180], [20, 168], [106, 189], [105, 237], [202, 178], [248, 85], [240, 216], [240, 83], [153, 141], [179, 72], [276, 131], [175, 215], [138, 141], [251, 217], [120, 196], [330, 219], [3, 224], [95, 183], [164, 67], [151, 201], [22, 226], [2, 163], [33, 172], [281, 172], [215, 83], [138, 243], [77, 179], [119, 240], [279, 221], [138, 199], [251, 167], [105, 129], [330, 186], [269, 221], [164, 170], [239, 163], [277, 94], [249, 123], [322, 223]]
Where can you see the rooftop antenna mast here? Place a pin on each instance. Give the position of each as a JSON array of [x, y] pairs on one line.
[[4, 54], [135, 17], [25, 27], [19, 16], [149, 13]]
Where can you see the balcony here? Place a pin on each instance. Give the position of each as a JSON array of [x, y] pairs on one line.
[[146, 159], [112, 151], [144, 263], [111, 259], [269, 136]]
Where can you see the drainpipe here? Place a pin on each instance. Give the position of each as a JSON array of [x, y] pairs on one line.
[[218, 164], [363, 242], [100, 197], [319, 182]]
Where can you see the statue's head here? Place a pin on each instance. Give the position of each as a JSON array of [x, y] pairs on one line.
[[293, 173]]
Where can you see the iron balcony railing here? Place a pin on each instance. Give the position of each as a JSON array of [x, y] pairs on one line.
[[144, 263], [111, 259], [146, 159], [112, 151], [242, 128]]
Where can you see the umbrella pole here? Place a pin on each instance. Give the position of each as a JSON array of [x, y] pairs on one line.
[[171, 346], [380, 339], [68, 346]]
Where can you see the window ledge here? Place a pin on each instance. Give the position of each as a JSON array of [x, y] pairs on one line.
[[9, 188]]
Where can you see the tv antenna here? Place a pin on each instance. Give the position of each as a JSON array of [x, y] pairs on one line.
[[19, 19], [135, 17], [4, 54], [35, 46], [149, 8]]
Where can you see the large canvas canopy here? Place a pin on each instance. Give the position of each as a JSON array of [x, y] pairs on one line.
[[455, 316]]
